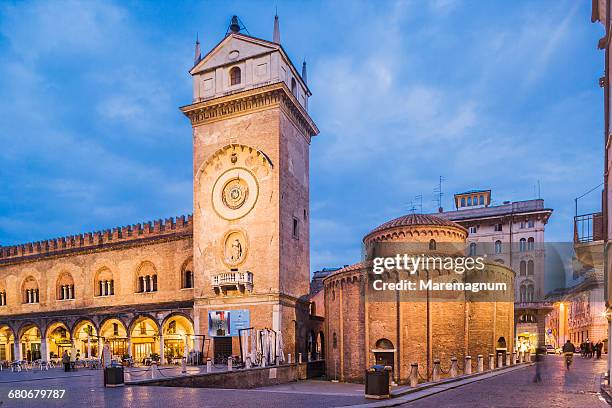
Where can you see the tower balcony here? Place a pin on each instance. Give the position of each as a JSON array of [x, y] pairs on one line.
[[234, 280]]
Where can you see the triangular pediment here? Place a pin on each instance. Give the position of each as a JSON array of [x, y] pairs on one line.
[[234, 47]]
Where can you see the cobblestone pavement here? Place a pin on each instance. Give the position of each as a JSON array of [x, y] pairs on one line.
[[577, 388], [84, 389]]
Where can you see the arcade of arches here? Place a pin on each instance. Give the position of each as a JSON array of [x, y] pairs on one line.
[[141, 337]]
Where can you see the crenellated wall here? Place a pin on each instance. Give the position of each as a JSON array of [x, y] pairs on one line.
[[182, 225]]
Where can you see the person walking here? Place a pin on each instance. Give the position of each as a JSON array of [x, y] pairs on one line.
[[539, 362], [66, 361], [598, 349]]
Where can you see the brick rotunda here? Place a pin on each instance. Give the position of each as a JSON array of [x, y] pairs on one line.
[[400, 328]]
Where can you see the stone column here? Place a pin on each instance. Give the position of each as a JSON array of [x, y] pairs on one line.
[[414, 374], [108, 285], [467, 365], [500, 360], [100, 346], [88, 346], [480, 366], [162, 358], [491, 361], [44, 349], [70, 291], [436, 371], [508, 359], [17, 349], [453, 368], [129, 345]]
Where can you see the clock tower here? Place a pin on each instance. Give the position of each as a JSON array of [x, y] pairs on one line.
[[251, 140]]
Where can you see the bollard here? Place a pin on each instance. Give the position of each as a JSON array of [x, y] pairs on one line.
[[514, 357], [300, 358], [309, 356], [152, 367], [183, 365], [277, 361], [229, 363], [500, 360], [248, 363], [467, 365], [289, 358], [436, 371], [528, 356], [521, 356], [208, 365], [491, 361], [414, 374], [480, 366], [453, 368], [508, 360]]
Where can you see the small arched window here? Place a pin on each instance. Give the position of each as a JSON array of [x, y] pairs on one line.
[[523, 268], [463, 201], [473, 249], [432, 244], [235, 76], [530, 268], [31, 293], [522, 245], [293, 87], [498, 247], [530, 244]]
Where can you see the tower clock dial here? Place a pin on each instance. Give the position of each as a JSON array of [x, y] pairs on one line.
[[235, 193]]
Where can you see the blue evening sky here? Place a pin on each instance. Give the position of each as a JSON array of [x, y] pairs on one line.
[[488, 94]]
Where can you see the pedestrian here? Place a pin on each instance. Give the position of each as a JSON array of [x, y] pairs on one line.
[[599, 349], [539, 363], [66, 361], [591, 349]]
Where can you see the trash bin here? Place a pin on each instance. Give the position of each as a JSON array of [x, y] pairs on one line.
[[113, 375], [377, 382]]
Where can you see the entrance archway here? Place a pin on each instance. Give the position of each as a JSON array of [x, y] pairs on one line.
[[384, 352], [177, 337], [144, 335], [59, 340], [113, 332], [30, 340], [7, 341], [86, 339]]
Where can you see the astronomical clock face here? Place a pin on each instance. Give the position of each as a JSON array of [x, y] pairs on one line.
[[235, 193]]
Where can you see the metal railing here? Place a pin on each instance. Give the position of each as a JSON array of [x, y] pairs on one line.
[[588, 228]]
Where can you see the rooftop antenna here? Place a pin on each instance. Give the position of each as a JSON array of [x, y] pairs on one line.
[[439, 193], [539, 195], [419, 198]]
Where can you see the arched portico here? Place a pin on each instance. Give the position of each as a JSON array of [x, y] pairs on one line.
[[144, 338], [85, 338], [114, 332], [58, 339], [30, 342], [177, 337], [7, 343]]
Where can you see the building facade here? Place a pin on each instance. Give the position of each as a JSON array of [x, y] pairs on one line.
[[512, 234], [601, 12], [190, 284], [397, 330]]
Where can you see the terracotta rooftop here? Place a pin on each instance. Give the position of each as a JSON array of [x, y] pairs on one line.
[[416, 219]]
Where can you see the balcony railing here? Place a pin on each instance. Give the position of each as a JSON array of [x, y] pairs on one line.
[[241, 281], [588, 228]]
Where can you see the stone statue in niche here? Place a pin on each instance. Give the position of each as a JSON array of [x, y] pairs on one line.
[[234, 248]]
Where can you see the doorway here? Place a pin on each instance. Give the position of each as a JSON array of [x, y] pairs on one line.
[[222, 349]]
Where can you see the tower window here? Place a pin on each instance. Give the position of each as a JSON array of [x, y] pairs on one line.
[[296, 228], [235, 76], [293, 87]]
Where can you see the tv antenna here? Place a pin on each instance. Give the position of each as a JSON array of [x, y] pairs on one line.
[[439, 193]]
